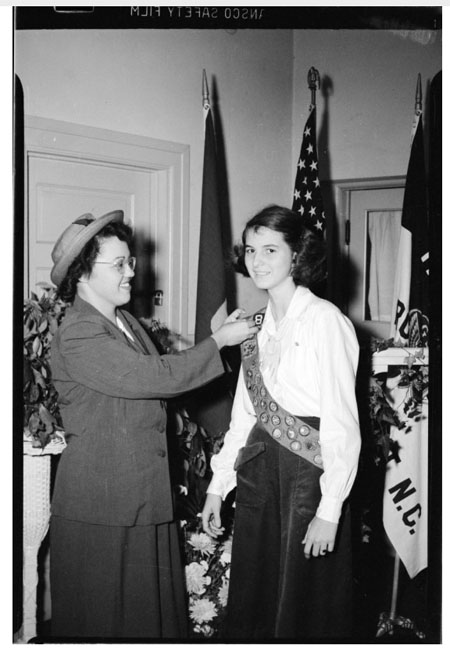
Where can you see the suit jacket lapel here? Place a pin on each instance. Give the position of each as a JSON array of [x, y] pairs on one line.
[[142, 342]]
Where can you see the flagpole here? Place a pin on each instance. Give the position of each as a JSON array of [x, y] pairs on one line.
[[205, 92], [417, 107], [313, 84], [396, 576], [394, 598], [387, 622]]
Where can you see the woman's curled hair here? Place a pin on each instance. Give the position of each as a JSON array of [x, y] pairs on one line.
[[84, 262], [309, 266]]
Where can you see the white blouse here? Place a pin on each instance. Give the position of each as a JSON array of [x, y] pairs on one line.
[[309, 366]]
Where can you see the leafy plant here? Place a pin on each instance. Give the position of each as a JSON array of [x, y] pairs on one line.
[[41, 318], [413, 377], [382, 418]]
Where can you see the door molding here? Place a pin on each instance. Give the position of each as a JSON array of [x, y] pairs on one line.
[[343, 189], [167, 161], [342, 192]]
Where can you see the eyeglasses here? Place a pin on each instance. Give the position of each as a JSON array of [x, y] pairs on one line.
[[120, 263]]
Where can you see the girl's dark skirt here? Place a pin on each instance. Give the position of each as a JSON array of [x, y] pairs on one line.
[[116, 582], [275, 592]]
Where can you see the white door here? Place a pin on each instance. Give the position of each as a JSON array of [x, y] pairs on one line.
[[72, 170], [60, 190]]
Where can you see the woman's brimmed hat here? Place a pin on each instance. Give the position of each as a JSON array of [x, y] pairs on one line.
[[74, 238]]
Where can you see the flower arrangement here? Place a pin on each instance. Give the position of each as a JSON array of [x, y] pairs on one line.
[[207, 560], [41, 318], [207, 578]]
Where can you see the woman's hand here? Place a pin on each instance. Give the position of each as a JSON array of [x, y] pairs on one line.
[[320, 537], [234, 330], [212, 524]]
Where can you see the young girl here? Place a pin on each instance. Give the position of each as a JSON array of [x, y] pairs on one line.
[[292, 447]]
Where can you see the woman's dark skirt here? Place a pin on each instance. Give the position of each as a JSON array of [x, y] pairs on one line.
[[116, 582], [275, 592]]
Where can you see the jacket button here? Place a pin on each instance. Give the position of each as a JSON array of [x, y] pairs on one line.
[[161, 453]]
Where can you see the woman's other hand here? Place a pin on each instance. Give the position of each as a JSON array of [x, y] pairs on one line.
[[234, 330], [320, 537], [212, 524]]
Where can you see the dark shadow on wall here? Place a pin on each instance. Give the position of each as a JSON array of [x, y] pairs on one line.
[[334, 288], [142, 300]]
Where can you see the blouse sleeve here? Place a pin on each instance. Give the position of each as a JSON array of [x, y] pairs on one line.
[[337, 352], [242, 420]]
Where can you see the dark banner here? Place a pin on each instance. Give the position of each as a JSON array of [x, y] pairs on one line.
[[404, 18]]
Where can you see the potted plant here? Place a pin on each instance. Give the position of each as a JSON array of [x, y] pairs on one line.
[[43, 437], [41, 318]]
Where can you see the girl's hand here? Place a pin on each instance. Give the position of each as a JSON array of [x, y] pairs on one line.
[[320, 537], [212, 524]]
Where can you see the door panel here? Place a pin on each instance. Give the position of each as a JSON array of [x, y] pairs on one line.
[[71, 170]]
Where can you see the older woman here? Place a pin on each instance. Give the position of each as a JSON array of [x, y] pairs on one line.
[[115, 562], [292, 447]]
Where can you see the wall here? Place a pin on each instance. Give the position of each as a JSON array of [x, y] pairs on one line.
[[149, 82], [370, 79]]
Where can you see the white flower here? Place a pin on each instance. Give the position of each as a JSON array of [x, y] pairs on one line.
[[225, 558], [207, 630], [202, 610], [223, 593], [196, 579], [202, 542]]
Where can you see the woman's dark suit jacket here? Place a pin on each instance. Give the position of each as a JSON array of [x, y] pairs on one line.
[[115, 469]]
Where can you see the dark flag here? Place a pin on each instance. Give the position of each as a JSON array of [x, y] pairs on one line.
[[215, 401], [411, 287], [307, 193]]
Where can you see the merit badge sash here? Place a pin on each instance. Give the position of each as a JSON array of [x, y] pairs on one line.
[[298, 434]]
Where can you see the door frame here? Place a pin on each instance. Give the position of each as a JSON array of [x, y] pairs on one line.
[[169, 164], [342, 191]]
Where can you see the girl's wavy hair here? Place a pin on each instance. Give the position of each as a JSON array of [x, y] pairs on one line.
[[309, 265], [83, 263]]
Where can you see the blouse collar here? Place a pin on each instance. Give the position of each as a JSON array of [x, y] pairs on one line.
[[299, 302]]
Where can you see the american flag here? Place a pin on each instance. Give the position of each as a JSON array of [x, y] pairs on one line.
[[307, 193]]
